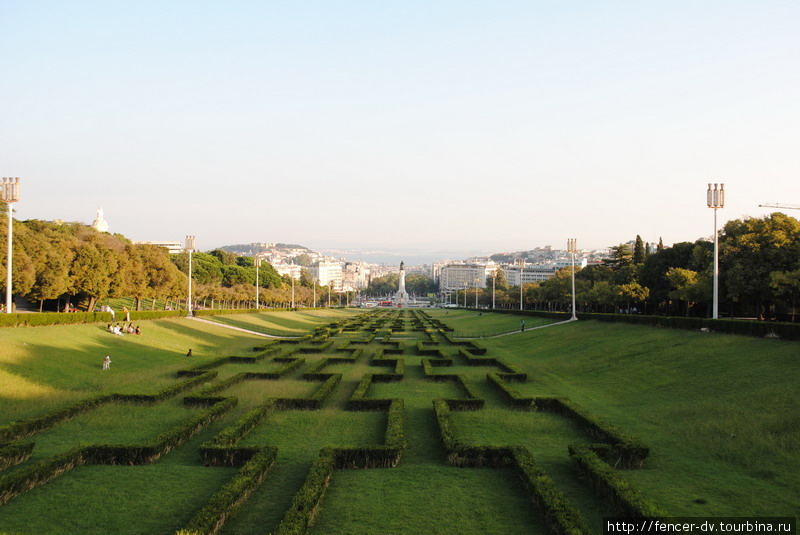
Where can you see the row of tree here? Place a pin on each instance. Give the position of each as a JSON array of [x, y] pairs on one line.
[[58, 263], [759, 276]]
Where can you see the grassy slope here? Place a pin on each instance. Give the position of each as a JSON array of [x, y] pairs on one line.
[[720, 412]]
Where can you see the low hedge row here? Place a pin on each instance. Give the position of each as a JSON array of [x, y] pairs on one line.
[[14, 454], [787, 331], [37, 319], [627, 501], [304, 504], [559, 514], [514, 398], [225, 502], [621, 450], [25, 428], [320, 348], [40, 473], [167, 392]]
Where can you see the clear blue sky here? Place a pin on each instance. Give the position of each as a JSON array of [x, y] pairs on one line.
[[493, 125]]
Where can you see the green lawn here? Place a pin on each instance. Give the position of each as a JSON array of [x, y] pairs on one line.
[[721, 414]]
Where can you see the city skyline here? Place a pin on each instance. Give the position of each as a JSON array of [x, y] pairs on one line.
[[417, 127]]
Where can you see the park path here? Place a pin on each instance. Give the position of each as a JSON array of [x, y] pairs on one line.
[[195, 318], [520, 331]]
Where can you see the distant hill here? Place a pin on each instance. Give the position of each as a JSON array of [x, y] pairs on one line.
[[250, 249]]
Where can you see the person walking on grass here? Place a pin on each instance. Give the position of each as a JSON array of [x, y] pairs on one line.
[[522, 326], [107, 362]]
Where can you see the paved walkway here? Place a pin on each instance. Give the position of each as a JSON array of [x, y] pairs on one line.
[[520, 331], [195, 318]]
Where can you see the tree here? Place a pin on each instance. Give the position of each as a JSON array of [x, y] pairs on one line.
[[751, 249], [633, 291], [686, 287], [500, 281], [786, 285], [639, 254], [660, 246], [621, 255]]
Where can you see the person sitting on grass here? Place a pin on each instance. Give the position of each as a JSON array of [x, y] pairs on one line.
[[189, 354], [117, 330], [138, 330]]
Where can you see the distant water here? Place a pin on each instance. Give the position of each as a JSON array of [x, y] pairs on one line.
[[392, 257]]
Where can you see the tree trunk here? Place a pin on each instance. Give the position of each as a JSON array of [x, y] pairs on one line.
[[92, 301], [138, 303], [153, 304], [41, 304]]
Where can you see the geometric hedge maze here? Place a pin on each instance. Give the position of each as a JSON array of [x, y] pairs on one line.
[[391, 343]]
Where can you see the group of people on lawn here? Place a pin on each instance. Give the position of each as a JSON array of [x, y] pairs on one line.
[[129, 329]]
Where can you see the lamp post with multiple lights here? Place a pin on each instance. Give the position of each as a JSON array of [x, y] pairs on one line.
[[572, 248], [9, 194], [257, 262], [494, 277], [190, 243], [521, 264], [715, 198]]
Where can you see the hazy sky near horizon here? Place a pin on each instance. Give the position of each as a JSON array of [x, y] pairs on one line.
[[431, 125]]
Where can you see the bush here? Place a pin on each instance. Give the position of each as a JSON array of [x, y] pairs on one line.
[[38, 319], [14, 454], [224, 503], [304, 504], [516, 399], [627, 501], [622, 450]]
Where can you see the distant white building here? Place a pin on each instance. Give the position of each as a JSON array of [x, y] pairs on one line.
[[328, 273], [99, 222], [459, 276], [174, 247], [355, 276], [294, 271]]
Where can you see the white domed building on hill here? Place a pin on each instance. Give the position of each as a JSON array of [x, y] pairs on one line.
[[99, 222]]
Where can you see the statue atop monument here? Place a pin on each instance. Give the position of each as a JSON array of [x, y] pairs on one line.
[[401, 298]]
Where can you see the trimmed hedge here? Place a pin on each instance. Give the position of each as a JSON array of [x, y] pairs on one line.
[[14, 454], [225, 502], [38, 474], [304, 504], [39, 319], [559, 514], [627, 501], [514, 398], [786, 331], [25, 428], [622, 450]]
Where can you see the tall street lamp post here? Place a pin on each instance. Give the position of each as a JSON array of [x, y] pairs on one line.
[[476, 291], [521, 264], [494, 277], [715, 198], [257, 262], [572, 248], [292, 290], [190, 243], [9, 194], [314, 282], [465, 294]]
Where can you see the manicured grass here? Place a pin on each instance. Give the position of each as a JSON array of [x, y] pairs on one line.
[[719, 412], [125, 500], [46, 367], [298, 322], [477, 323]]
